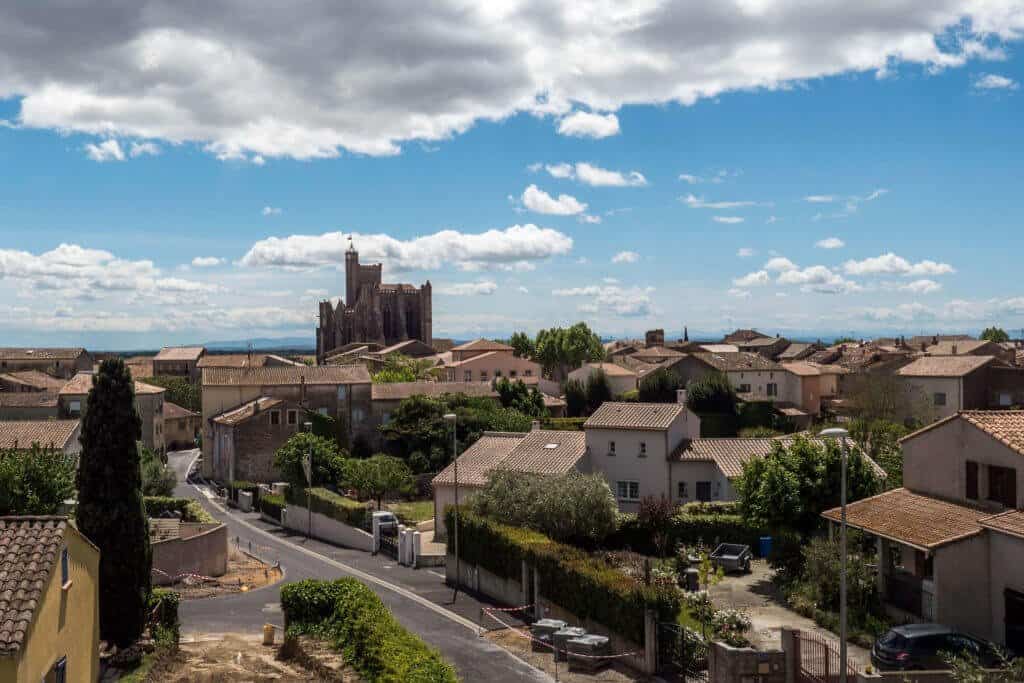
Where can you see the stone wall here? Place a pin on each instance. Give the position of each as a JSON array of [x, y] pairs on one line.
[[732, 664], [202, 549]]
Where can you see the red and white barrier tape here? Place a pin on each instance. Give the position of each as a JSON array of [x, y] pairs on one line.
[[507, 609], [529, 636], [175, 577]]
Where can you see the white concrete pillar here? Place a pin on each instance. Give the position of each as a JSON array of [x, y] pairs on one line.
[[417, 548]]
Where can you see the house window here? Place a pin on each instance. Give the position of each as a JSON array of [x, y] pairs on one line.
[[683, 490], [385, 418], [65, 568], [59, 672], [75, 406], [497, 373], [341, 393], [972, 480], [939, 398], [275, 417], [744, 389], [467, 376], [1002, 485], [483, 375], [528, 373], [703, 491], [512, 374], [628, 490], [293, 417], [611, 448], [1005, 400], [643, 449], [357, 415], [322, 411], [773, 389]]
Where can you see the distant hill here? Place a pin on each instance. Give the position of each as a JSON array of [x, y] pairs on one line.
[[263, 344]]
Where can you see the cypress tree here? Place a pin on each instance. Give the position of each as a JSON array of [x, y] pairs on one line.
[[110, 507]]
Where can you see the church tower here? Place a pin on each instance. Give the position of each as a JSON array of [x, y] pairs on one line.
[[351, 274]]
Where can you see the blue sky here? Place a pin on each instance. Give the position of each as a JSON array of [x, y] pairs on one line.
[[827, 190]]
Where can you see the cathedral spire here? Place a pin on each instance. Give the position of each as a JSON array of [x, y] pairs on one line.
[[351, 247]]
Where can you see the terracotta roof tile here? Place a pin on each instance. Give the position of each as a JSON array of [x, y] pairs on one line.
[[1009, 522], [28, 399], [741, 360], [286, 375], [46, 433], [231, 360], [912, 519], [35, 379], [180, 353], [482, 345], [944, 366], [611, 369], [634, 416], [12, 353], [247, 411], [1005, 426], [961, 346], [547, 451], [172, 411], [80, 384], [477, 461], [397, 391], [658, 352], [29, 550], [802, 369], [730, 454]]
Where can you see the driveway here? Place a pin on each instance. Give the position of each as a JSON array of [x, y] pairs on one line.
[[419, 599]]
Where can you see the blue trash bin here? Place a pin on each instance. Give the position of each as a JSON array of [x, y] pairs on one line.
[[765, 546]]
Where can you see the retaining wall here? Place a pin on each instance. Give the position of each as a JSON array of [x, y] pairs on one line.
[[327, 529], [201, 549]]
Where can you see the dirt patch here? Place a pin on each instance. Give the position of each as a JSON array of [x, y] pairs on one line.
[[244, 573], [229, 658], [515, 643]]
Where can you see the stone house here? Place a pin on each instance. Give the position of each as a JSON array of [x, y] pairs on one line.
[[149, 402], [489, 366], [59, 362], [29, 381], [340, 392], [620, 379], [948, 383], [179, 361], [769, 347], [951, 541], [50, 612], [57, 434], [242, 360], [181, 426], [972, 347], [24, 405]]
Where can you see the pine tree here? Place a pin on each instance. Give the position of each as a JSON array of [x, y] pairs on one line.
[[110, 507]]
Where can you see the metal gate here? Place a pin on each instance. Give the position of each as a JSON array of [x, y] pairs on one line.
[[819, 659], [682, 654], [389, 545]]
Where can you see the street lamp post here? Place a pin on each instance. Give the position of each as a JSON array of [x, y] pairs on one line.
[[308, 467], [452, 420], [841, 435]]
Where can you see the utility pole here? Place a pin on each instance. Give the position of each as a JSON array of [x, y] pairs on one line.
[[307, 466], [842, 436], [451, 419]]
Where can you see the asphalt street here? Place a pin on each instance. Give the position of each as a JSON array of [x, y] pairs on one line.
[[419, 599]]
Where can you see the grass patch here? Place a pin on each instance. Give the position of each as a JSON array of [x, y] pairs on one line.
[[413, 511]]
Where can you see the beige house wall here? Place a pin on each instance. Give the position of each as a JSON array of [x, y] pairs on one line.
[[961, 572], [444, 495], [693, 472], [927, 387], [151, 413], [789, 385], [181, 432], [651, 472], [1006, 570], [487, 368]]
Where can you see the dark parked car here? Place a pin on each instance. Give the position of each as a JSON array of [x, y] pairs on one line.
[[920, 646]]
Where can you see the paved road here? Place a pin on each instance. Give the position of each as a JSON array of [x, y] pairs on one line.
[[419, 599]]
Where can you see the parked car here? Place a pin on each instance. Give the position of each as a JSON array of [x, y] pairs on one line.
[[389, 524], [732, 557], [920, 647]]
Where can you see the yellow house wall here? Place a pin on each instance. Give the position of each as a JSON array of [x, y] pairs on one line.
[[67, 623]]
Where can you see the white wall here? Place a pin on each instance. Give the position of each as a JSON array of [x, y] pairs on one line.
[[650, 472]]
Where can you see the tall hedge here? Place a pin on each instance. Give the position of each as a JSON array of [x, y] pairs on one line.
[[686, 528], [364, 630], [584, 585]]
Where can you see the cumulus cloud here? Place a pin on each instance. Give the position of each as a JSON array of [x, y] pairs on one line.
[[728, 220], [368, 78], [820, 279], [745, 252], [626, 257], [539, 201], [922, 286], [482, 288], [891, 264], [583, 124], [695, 202], [271, 211], [738, 293], [588, 218], [562, 170], [613, 299], [994, 82], [142, 149], [779, 264], [506, 248], [830, 243], [596, 176], [108, 150], [755, 279], [206, 261], [689, 178]]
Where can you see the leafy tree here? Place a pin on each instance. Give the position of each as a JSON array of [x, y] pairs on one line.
[[35, 481], [876, 396], [522, 345], [659, 386], [516, 395], [966, 668], [655, 517], [327, 464], [110, 510], [598, 390], [569, 507], [575, 399], [820, 576], [179, 390], [560, 350], [157, 478], [995, 334], [879, 439], [377, 476], [790, 487], [401, 368], [712, 393]]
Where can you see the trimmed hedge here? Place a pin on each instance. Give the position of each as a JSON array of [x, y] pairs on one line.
[[235, 487], [567, 424], [271, 505], [584, 585], [189, 510], [337, 507], [358, 624], [686, 528]]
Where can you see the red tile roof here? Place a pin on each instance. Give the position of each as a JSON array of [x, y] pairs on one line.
[[482, 345], [285, 375], [944, 366], [46, 433], [634, 416], [180, 353]]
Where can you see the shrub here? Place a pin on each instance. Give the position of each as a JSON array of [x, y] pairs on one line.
[[377, 476], [364, 630], [686, 528], [712, 393], [327, 466], [566, 424], [271, 505], [188, 510], [35, 481], [333, 505], [575, 398], [587, 587], [180, 391], [157, 478], [659, 386], [162, 604]]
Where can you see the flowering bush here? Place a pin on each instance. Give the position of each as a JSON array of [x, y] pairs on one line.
[[731, 626]]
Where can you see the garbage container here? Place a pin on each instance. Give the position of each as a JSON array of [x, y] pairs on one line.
[[765, 546], [691, 579]]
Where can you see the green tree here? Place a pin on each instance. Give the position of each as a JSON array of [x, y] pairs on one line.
[[966, 667], [575, 398], [659, 386], [879, 439], [378, 476], [995, 334], [157, 478], [328, 463], [180, 391], [110, 511], [712, 393], [522, 345], [598, 390], [35, 481], [873, 396], [516, 395], [560, 350], [401, 368]]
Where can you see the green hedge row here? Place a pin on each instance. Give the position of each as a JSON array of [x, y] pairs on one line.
[[358, 624], [686, 528], [569, 424], [189, 510], [271, 505], [235, 487], [335, 506], [583, 585]]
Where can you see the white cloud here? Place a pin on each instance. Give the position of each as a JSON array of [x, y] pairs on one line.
[[780, 264], [771, 219], [610, 280], [830, 243], [257, 160], [271, 211], [583, 124], [891, 264], [688, 178], [600, 177], [562, 170], [588, 218], [108, 150], [141, 149], [493, 248], [522, 290], [695, 202], [392, 73], [626, 302], [818, 279], [626, 257], [820, 198], [728, 220], [540, 201], [922, 286], [755, 279], [875, 194], [482, 288], [994, 82], [738, 293], [745, 252], [206, 261]]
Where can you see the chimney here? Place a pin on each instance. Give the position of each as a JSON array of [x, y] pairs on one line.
[[681, 396], [535, 426], [954, 349]]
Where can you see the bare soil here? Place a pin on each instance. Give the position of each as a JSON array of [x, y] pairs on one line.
[[231, 657], [515, 643], [244, 573]]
